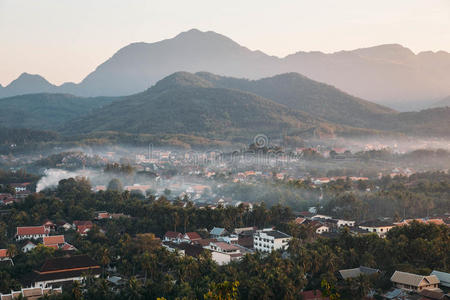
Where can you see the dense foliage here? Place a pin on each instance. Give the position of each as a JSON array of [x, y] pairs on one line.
[[151, 272]]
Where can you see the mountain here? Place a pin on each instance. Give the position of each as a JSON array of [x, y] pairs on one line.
[[184, 103], [442, 103], [28, 84], [46, 111], [390, 74], [428, 122], [301, 93]]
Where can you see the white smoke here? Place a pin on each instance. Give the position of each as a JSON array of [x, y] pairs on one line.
[[53, 176]]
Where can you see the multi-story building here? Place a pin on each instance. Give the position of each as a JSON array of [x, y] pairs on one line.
[[270, 240]]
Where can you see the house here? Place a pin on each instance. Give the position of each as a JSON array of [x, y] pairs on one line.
[[31, 293], [55, 240], [341, 223], [64, 269], [173, 236], [270, 240], [83, 227], [5, 257], [377, 226], [313, 295], [355, 272], [229, 239], [49, 226], [443, 277], [223, 247], [184, 249], [63, 225], [191, 237], [28, 247], [20, 187], [299, 220], [413, 282], [217, 231], [322, 229], [31, 232]]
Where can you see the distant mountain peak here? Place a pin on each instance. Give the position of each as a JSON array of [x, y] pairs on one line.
[[29, 81], [181, 79]]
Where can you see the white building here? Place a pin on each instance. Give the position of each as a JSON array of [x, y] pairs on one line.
[[378, 227], [342, 223], [270, 240], [31, 232]]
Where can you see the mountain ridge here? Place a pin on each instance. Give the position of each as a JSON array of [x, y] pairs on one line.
[[387, 74]]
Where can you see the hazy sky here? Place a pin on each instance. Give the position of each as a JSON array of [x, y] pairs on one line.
[[65, 40]]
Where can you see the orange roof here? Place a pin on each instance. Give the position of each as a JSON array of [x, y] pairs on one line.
[[4, 253], [54, 240], [31, 230]]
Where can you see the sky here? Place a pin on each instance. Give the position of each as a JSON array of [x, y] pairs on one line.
[[65, 40]]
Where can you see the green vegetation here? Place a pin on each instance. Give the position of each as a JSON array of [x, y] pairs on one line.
[[128, 244], [46, 111]]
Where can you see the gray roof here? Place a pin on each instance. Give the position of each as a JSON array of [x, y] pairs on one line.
[[217, 231], [443, 277], [352, 273], [413, 279], [277, 234]]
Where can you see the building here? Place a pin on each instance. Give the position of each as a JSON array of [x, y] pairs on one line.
[[31, 232], [270, 240], [443, 277], [414, 282], [31, 293], [173, 236], [191, 237], [376, 226], [65, 269], [341, 223], [184, 249], [83, 227], [356, 272], [57, 242], [217, 231], [28, 247]]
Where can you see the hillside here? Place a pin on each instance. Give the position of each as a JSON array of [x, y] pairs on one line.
[[301, 93], [46, 111], [184, 103], [391, 74], [429, 122], [442, 103]]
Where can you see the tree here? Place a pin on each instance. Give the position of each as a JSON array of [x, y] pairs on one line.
[[115, 185], [226, 290]]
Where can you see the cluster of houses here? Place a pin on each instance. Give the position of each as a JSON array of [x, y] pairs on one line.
[[406, 286], [224, 246], [323, 224], [21, 191]]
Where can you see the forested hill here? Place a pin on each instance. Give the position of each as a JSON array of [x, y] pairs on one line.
[[46, 111], [318, 99], [184, 103]]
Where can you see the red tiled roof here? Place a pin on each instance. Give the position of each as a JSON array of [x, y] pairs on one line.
[[173, 234], [193, 236], [82, 229], [299, 220], [54, 240], [4, 253], [226, 246], [68, 247], [31, 230]]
